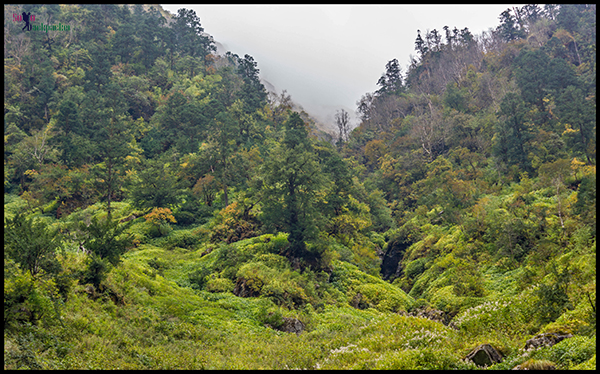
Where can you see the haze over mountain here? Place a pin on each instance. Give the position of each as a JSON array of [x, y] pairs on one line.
[[328, 56]]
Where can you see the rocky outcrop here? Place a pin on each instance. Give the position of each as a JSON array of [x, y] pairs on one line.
[[484, 355], [292, 325], [547, 339], [359, 301], [433, 314], [127, 219], [390, 263], [244, 289]]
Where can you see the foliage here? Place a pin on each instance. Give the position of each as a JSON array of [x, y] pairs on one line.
[[160, 218], [106, 238], [32, 244], [467, 192]]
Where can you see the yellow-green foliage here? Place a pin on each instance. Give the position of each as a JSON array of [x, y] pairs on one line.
[[12, 205], [378, 293], [279, 285], [569, 352], [587, 365], [219, 285]]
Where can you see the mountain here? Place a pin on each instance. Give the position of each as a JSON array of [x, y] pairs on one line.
[[163, 209]]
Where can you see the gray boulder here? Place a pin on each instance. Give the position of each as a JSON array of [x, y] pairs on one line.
[[292, 325], [547, 339], [484, 355]]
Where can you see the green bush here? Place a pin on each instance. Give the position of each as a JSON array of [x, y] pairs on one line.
[[219, 285], [96, 270], [229, 258], [184, 218], [182, 239], [384, 298], [198, 277], [278, 243], [267, 315], [24, 299], [32, 244], [421, 359], [415, 268], [569, 352]]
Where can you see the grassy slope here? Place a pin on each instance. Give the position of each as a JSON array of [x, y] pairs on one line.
[[159, 321]]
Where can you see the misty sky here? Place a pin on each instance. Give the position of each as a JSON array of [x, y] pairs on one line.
[[328, 56]]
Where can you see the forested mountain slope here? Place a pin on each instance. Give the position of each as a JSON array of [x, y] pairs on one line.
[[162, 211]]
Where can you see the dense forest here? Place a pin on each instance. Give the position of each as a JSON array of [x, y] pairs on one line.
[[162, 210]]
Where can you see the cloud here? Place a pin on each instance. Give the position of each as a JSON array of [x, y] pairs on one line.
[[327, 57]]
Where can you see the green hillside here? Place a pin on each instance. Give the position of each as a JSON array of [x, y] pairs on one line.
[[162, 211]]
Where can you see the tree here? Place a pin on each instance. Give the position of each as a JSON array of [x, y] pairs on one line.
[[106, 242], [341, 120], [532, 76], [32, 244], [291, 179], [420, 44], [112, 141], [253, 92], [207, 188], [99, 75], [391, 81], [579, 116], [555, 174], [106, 238], [151, 37], [156, 185], [512, 134], [221, 152], [508, 28], [122, 49], [189, 35]]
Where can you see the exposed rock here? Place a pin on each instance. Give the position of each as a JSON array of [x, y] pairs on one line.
[[390, 263], [433, 314], [91, 291], [359, 302], [207, 251], [243, 289], [484, 355], [292, 325], [547, 339], [130, 218]]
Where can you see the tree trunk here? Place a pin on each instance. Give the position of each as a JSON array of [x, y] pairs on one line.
[[225, 197]]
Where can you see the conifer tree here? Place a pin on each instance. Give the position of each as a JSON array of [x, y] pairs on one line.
[[292, 177]]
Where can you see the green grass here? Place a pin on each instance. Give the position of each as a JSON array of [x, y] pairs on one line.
[[169, 305]]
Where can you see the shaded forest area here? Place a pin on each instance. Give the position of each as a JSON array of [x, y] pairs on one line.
[[163, 211]]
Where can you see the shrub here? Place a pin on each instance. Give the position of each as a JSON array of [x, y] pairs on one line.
[[384, 297], [278, 243], [219, 285], [198, 277], [182, 239], [32, 244], [106, 239], [269, 316], [569, 352], [96, 271], [420, 359], [553, 298], [234, 223], [160, 218], [415, 268], [184, 218], [23, 300], [229, 258]]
